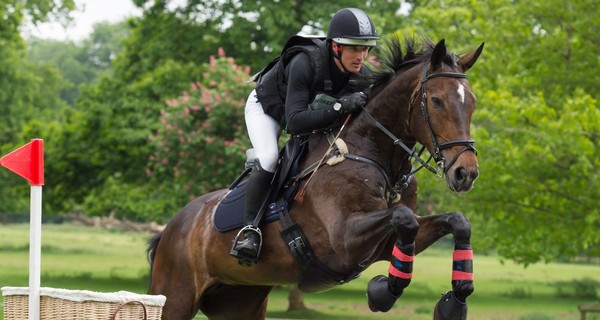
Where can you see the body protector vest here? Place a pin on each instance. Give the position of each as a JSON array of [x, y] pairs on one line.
[[271, 85]]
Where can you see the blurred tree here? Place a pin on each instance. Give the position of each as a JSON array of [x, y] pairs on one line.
[[105, 43], [80, 62], [252, 31], [29, 92], [20, 93]]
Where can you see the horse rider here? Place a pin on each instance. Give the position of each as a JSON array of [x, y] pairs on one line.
[[282, 97]]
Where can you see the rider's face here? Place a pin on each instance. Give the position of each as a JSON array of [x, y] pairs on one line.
[[353, 57]]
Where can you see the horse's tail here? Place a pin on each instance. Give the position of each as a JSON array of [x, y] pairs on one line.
[[151, 252]]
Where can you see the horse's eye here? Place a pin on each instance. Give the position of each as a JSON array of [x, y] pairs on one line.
[[437, 102]]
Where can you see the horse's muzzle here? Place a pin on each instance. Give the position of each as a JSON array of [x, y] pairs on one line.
[[461, 176]]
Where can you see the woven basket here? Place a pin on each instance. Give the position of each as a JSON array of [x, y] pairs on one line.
[[82, 305]]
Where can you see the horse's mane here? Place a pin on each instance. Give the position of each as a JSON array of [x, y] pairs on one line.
[[391, 62]]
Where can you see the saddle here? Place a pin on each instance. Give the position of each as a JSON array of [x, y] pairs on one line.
[[229, 214]]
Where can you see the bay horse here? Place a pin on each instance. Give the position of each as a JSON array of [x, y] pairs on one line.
[[354, 213]]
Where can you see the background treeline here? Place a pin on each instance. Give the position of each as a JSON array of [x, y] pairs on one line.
[[145, 114]]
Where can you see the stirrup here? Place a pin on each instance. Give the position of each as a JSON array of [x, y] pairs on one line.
[[243, 259]]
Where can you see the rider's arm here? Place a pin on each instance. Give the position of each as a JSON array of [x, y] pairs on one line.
[[299, 118]]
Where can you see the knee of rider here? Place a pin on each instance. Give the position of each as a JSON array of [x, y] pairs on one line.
[[267, 162]]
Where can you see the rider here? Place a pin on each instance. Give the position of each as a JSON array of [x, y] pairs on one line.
[[282, 97]]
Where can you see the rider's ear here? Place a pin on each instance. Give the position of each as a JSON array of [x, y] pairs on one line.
[[335, 47], [438, 55], [469, 59]]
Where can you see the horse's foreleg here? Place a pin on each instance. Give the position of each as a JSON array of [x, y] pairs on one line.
[[382, 291], [453, 304]]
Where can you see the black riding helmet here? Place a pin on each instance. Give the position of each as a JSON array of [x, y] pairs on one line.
[[351, 26]]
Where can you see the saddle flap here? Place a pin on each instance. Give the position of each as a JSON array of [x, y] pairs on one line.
[[229, 214]]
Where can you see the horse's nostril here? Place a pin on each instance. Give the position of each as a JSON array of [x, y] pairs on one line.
[[460, 174]]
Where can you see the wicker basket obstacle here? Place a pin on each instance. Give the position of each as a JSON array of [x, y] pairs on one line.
[[66, 304]]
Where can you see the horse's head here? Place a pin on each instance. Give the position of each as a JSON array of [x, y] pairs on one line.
[[442, 106]]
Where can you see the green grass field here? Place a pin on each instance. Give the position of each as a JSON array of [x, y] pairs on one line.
[[107, 261]]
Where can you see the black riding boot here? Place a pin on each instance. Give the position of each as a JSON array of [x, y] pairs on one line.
[[248, 249]]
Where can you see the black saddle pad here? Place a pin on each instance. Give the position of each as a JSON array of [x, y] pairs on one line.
[[229, 213]]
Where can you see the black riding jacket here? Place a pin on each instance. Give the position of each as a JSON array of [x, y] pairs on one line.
[[286, 90]]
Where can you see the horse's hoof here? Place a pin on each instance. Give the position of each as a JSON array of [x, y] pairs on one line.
[[379, 296], [450, 308]]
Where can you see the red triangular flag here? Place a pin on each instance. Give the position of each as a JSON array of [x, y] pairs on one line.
[[27, 161]]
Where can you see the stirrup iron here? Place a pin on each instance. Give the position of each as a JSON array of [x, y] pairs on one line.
[[245, 260]]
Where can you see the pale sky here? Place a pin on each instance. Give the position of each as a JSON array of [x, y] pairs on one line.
[[86, 14]]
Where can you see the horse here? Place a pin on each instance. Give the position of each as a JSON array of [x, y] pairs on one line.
[[353, 213]]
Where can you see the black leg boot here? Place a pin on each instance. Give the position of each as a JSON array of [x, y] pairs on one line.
[[248, 249]]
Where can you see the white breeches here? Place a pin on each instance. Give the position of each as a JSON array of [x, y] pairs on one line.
[[263, 131]]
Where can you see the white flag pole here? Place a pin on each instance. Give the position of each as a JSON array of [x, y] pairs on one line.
[[28, 162], [35, 252]]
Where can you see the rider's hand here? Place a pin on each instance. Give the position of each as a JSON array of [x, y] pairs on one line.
[[353, 103]]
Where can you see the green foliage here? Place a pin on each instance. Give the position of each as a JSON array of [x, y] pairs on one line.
[[104, 44], [551, 48], [253, 32], [201, 142], [29, 94], [106, 137], [543, 163], [80, 63], [129, 201]]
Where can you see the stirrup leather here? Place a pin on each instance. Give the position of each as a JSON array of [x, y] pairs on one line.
[[243, 259]]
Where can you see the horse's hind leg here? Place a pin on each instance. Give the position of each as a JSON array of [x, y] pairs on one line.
[[225, 302], [453, 304]]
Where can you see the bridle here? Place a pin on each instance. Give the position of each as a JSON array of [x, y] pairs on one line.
[[419, 163], [468, 144]]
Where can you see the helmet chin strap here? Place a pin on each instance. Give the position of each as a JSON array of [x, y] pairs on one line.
[[337, 54]]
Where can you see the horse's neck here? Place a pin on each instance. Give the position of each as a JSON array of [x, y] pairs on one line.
[[391, 108]]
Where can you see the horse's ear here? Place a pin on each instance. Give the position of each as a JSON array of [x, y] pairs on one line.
[[438, 54], [469, 59]]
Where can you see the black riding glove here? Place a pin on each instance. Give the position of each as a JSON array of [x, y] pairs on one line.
[[353, 103]]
